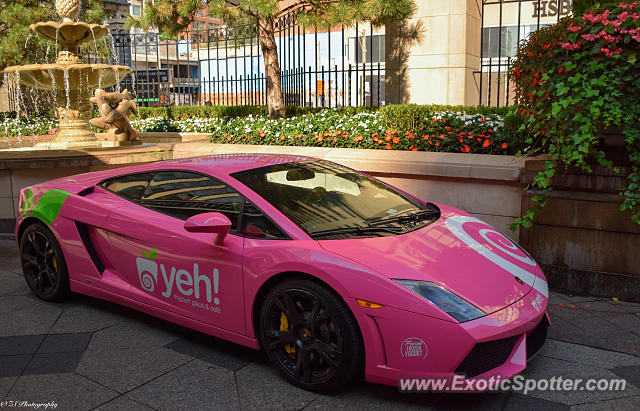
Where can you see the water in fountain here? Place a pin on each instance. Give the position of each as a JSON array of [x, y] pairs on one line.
[[95, 45], [19, 102], [109, 41], [67, 88]]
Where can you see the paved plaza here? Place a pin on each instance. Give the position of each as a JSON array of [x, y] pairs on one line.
[[90, 354]]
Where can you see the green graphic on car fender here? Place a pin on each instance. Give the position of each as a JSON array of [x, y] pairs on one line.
[[47, 207], [27, 203], [150, 255]]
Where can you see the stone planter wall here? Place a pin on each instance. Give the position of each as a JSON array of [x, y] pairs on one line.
[[585, 244]]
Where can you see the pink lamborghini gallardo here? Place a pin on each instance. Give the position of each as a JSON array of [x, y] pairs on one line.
[[331, 272]]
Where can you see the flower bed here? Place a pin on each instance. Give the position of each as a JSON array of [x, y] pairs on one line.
[[13, 126], [395, 127]]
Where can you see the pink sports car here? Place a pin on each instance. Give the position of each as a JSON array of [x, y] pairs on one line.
[[333, 273]]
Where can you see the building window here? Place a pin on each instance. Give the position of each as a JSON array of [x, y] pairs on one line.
[[135, 10], [375, 43], [499, 43], [494, 47], [198, 26]]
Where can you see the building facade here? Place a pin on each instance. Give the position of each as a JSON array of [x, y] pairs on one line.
[[459, 51]]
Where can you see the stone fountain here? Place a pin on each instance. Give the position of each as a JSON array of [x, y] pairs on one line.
[[73, 83]]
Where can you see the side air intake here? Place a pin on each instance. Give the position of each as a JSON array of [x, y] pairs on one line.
[[88, 244]]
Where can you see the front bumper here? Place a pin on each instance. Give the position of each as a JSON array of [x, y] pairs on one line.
[[403, 344]]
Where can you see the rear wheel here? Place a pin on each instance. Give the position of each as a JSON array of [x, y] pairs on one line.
[[310, 335], [43, 264]]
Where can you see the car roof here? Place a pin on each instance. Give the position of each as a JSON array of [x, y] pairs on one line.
[[229, 163]]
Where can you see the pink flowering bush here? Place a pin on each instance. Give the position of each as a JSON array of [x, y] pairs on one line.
[[574, 82]]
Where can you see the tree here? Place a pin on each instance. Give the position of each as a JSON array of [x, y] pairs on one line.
[[173, 16]]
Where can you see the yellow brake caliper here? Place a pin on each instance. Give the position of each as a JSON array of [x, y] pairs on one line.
[[284, 326]]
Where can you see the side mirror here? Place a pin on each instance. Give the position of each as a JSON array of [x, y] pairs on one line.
[[216, 223]]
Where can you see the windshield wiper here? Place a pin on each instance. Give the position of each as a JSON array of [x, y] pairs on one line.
[[404, 218], [358, 230]]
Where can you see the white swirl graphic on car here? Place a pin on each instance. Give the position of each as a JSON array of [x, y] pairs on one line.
[[456, 224], [147, 271]]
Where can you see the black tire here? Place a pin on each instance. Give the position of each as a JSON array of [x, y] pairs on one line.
[[311, 336], [43, 264]]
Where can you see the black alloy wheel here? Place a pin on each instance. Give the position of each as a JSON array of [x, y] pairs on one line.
[[310, 335], [43, 264]]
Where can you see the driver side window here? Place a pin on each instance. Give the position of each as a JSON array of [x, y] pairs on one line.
[[183, 194]]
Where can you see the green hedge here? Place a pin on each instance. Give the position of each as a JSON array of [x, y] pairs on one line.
[[188, 112], [414, 116]]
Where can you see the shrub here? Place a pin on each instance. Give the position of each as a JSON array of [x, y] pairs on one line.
[[576, 80], [16, 126], [440, 131], [414, 116]]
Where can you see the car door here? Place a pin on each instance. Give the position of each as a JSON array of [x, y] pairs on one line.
[[176, 270]]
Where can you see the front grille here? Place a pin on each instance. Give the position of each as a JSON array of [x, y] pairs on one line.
[[486, 356], [536, 339]]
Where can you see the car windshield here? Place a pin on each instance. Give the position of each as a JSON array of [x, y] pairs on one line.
[[329, 201]]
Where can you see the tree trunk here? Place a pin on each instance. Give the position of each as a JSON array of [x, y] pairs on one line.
[[275, 101]]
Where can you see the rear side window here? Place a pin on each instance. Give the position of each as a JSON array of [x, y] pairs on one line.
[[131, 186], [183, 194]]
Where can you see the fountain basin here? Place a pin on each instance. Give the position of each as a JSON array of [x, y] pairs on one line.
[[69, 32], [61, 76]]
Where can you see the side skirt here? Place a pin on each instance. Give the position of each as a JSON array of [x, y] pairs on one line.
[[87, 289]]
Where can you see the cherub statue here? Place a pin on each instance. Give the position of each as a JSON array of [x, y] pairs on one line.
[[114, 108]]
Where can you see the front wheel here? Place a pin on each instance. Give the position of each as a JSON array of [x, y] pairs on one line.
[[309, 333], [43, 264]]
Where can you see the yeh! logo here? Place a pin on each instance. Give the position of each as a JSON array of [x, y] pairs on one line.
[[184, 282], [148, 270]]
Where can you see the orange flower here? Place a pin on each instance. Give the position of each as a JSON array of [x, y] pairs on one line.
[[465, 149], [503, 145], [320, 139], [437, 144], [388, 138], [486, 143], [283, 137], [262, 133], [374, 135], [396, 140], [441, 136], [388, 146]]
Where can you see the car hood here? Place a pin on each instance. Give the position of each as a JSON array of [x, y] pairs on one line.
[[459, 252]]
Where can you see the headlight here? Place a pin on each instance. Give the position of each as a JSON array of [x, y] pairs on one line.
[[443, 299]]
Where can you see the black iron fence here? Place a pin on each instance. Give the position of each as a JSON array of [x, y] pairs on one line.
[[504, 24], [343, 66]]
